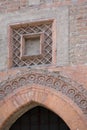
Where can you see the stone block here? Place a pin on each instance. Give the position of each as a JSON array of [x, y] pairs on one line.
[[34, 2]]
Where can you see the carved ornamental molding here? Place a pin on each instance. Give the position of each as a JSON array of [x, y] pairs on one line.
[[77, 93], [30, 37]]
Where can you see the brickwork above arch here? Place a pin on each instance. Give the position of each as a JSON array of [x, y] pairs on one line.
[[68, 88], [27, 97]]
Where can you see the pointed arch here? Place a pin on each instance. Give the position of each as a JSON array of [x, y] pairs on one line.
[[39, 118], [50, 90]]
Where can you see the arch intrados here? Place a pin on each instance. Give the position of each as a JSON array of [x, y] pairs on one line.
[[44, 97], [37, 111]]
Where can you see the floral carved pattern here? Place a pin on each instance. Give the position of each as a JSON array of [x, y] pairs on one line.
[[69, 88]]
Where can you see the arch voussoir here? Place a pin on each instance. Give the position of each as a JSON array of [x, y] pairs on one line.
[[49, 89]]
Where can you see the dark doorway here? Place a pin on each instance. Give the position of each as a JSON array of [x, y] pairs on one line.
[[39, 118]]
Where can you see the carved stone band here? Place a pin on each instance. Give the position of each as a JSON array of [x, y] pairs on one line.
[[53, 80]]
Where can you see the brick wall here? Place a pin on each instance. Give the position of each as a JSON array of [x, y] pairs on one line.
[[78, 34], [69, 38], [14, 5], [71, 33]]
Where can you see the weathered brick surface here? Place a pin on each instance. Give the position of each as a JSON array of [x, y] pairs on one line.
[[69, 51], [75, 73], [60, 28], [78, 34], [14, 5], [25, 98], [70, 36]]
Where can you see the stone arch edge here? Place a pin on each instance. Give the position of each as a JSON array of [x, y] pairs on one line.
[[77, 93], [69, 89], [28, 97]]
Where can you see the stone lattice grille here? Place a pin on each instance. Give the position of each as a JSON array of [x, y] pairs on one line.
[[17, 31]]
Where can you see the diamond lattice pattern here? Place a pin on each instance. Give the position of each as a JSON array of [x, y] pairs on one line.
[[18, 31]]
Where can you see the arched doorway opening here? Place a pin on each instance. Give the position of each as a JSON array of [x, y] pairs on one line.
[[27, 90], [39, 118]]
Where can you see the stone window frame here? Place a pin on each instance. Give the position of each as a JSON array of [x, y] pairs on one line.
[[30, 36], [34, 22]]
